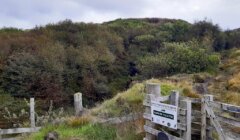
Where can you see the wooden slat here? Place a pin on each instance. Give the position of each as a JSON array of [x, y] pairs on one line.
[[187, 135], [206, 98], [182, 111], [196, 113], [180, 126], [19, 130], [155, 132], [228, 121], [196, 119], [194, 100], [215, 122], [225, 107], [203, 120], [10, 139], [196, 131]]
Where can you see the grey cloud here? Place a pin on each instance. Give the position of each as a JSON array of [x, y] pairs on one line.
[[119, 6], [29, 13]]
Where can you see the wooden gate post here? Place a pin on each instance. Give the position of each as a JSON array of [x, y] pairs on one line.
[[32, 113], [186, 104], [154, 90], [0, 133], [187, 135], [205, 98], [78, 103], [174, 98], [208, 121]]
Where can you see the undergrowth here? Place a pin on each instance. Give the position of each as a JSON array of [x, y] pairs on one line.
[[86, 132]]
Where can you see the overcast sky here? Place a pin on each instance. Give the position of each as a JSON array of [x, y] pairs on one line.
[[29, 13]]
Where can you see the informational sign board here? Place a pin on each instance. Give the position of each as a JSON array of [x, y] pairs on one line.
[[164, 114]]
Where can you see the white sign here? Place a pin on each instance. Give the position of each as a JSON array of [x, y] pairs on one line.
[[164, 114]]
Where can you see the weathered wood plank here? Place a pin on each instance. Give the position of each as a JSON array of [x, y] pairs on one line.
[[196, 119], [174, 98], [19, 130], [187, 134], [32, 112], [229, 121], [194, 100], [153, 89], [214, 121], [225, 107], [196, 113], [10, 139], [78, 103], [155, 132], [203, 119]]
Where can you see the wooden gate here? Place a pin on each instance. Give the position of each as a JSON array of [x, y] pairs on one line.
[[197, 118]]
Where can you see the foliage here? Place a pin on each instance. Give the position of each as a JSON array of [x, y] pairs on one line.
[[78, 121], [50, 117], [129, 101], [16, 119], [13, 111], [178, 58], [57, 60], [188, 93], [232, 39], [210, 34], [86, 132], [232, 98], [167, 88], [122, 104], [174, 31]]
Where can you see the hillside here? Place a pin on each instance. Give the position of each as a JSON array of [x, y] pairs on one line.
[[110, 63], [102, 59], [90, 125]]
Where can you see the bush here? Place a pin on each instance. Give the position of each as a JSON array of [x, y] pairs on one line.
[[178, 58], [78, 121]]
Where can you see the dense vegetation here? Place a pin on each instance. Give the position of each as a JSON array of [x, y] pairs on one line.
[[99, 60]]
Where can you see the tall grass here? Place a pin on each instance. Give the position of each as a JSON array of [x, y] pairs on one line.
[[86, 132]]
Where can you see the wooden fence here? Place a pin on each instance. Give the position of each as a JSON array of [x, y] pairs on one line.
[[33, 128], [78, 110], [197, 118]]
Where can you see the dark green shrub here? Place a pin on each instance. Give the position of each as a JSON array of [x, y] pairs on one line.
[[178, 58]]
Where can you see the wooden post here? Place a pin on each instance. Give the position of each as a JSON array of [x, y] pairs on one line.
[[203, 119], [187, 104], [0, 133], [208, 121], [155, 90], [174, 98], [78, 103], [32, 113], [188, 133], [206, 98]]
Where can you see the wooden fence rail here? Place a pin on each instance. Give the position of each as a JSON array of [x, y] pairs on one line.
[[196, 117]]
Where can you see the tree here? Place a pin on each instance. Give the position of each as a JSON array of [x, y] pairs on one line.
[[26, 75], [20, 74], [209, 34]]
